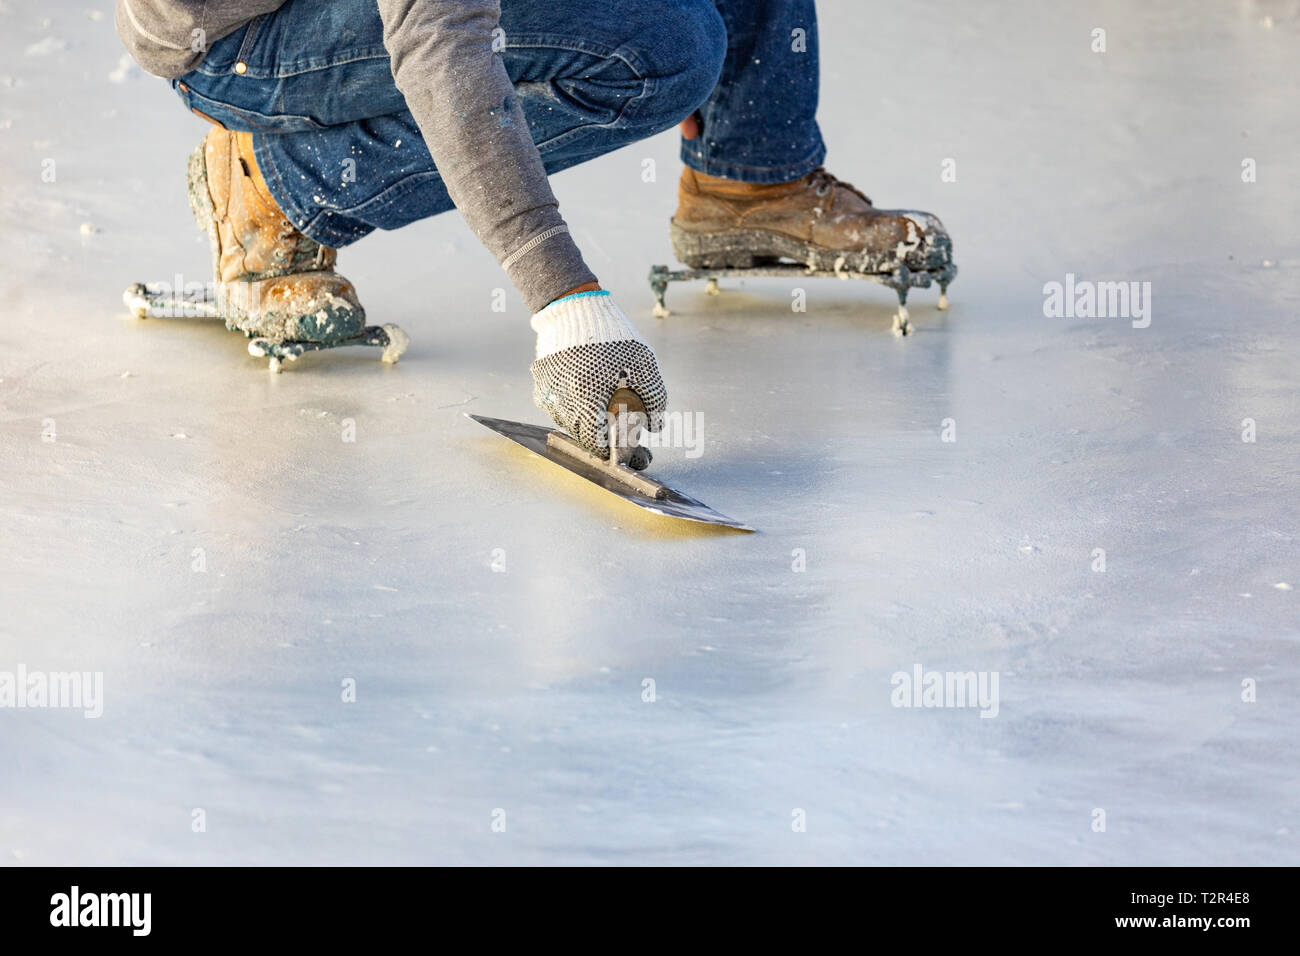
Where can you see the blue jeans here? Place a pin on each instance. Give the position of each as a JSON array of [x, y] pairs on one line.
[[317, 92]]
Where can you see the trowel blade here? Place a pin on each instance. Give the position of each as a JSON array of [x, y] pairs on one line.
[[673, 504]]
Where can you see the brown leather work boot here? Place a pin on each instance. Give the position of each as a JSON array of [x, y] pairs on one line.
[[817, 220], [272, 281]]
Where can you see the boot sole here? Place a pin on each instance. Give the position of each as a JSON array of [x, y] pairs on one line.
[[755, 248]]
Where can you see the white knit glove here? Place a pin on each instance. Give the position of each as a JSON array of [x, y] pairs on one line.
[[586, 349]]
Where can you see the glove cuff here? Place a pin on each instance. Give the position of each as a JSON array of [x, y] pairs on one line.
[[583, 318]]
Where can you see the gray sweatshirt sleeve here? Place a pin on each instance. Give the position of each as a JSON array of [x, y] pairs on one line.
[[462, 98]]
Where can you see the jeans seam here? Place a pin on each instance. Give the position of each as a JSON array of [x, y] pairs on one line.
[[330, 237], [297, 69], [786, 173], [314, 66], [245, 45], [246, 114], [545, 41], [820, 148]]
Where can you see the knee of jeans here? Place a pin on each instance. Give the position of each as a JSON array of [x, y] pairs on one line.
[[685, 58]]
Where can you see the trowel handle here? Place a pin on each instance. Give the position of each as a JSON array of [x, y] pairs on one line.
[[623, 405]]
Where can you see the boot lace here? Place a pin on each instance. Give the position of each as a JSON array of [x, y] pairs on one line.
[[823, 181]]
